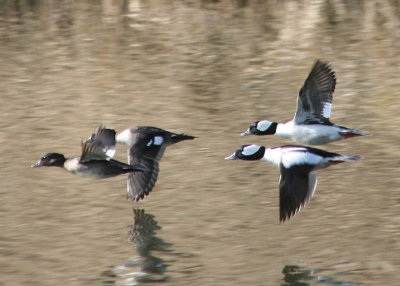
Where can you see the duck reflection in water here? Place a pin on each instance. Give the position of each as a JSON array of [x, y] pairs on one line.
[[144, 267], [295, 275], [142, 234]]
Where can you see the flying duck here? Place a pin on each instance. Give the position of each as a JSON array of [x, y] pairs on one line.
[[311, 123], [93, 162], [298, 166], [146, 146]]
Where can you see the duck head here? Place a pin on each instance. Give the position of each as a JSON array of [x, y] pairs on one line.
[[50, 159], [263, 127], [248, 152]]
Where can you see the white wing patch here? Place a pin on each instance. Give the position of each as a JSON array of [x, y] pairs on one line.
[[250, 150], [263, 125], [326, 112], [295, 157], [110, 152]]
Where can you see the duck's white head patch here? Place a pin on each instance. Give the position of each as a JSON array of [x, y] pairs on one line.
[[156, 140], [263, 125], [250, 150]]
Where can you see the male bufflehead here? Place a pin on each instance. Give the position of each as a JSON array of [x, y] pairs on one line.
[[311, 123], [93, 163], [146, 146], [298, 166]]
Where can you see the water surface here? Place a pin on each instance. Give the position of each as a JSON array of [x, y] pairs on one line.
[[206, 68]]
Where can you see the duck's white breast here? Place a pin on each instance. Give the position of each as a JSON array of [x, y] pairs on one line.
[[273, 155], [72, 165]]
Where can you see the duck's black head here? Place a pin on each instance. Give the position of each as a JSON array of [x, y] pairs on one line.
[[262, 127], [51, 159], [248, 153]]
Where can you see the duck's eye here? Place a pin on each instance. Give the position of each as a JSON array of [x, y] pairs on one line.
[[254, 126]]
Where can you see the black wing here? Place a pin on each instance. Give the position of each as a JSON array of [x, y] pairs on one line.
[[145, 152], [315, 97], [296, 187], [92, 152], [104, 139]]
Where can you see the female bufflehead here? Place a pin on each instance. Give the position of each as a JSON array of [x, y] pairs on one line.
[[298, 166], [146, 146], [93, 163], [311, 123]]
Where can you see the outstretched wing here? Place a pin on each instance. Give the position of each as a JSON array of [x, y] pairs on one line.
[[314, 102], [104, 139], [92, 152], [296, 187], [147, 150]]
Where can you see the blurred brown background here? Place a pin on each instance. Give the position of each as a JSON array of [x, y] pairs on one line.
[[206, 68]]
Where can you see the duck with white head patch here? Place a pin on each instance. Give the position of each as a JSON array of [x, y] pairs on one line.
[[311, 123], [298, 166]]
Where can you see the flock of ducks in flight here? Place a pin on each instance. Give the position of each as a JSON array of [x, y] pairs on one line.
[[146, 146], [298, 164]]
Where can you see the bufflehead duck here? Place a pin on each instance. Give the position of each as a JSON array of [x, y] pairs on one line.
[[311, 123], [146, 146], [298, 166], [93, 163]]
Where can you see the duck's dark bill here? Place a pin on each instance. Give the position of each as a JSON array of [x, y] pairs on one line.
[[38, 164], [231, 157]]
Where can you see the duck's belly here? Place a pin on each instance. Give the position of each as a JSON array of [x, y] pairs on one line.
[[92, 170], [313, 134]]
